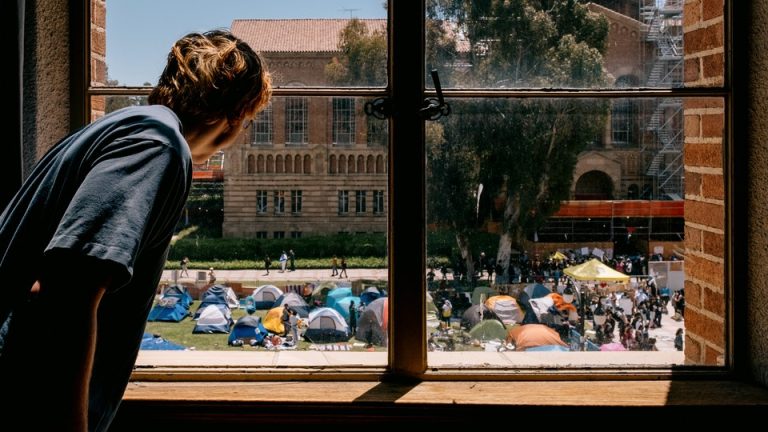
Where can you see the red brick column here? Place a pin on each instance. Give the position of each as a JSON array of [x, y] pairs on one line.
[[704, 185], [98, 54]]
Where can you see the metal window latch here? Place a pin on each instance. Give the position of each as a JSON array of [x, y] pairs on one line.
[[434, 108], [380, 108]]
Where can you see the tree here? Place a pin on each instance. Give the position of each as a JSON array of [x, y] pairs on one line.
[[363, 56], [114, 103], [524, 150]]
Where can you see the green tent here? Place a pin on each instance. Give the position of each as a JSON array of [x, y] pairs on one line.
[[487, 330], [487, 291]]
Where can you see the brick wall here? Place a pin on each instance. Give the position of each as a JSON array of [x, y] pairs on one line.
[[704, 185], [98, 54]]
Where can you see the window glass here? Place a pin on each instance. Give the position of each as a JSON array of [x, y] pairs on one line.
[[343, 120]]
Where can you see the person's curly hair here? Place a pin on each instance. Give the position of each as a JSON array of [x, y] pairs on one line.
[[212, 76]]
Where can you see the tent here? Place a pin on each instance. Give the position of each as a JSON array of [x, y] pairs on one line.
[[179, 291], [480, 291], [326, 325], [534, 335], [264, 296], [370, 294], [506, 308], [558, 256], [336, 294], [320, 293], [487, 330], [295, 302], [210, 299], [248, 329], [373, 322], [225, 292], [272, 320], [215, 318], [594, 270], [536, 290], [169, 309], [157, 343], [342, 305], [472, 316]]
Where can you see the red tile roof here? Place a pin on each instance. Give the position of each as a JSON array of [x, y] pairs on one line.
[[296, 35]]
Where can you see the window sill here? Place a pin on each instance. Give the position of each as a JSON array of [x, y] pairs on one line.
[[187, 404]]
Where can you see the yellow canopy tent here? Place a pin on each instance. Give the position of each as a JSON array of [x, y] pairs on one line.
[[558, 256], [594, 270]]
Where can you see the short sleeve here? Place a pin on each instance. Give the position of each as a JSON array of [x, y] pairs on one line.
[[131, 191]]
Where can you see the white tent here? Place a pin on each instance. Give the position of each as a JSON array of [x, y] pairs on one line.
[[215, 318]]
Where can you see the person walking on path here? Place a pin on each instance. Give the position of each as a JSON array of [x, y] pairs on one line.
[[283, 261], [184, 271], [292, 257], [267, 263], [334, 266], [343, 268], [352, 318], [102, 204]]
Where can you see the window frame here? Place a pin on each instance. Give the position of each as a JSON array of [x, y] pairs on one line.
[[263, 120], [343, 121], [290, 121], [407, 185]]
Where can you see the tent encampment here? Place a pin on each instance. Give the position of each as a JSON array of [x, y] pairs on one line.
[[225, 292], [325, 326], [248, 329], [170, 309], [179, 291], [295, 302], [215, 318], [210, 299]]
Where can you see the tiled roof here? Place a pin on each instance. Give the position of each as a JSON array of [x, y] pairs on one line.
[[296, 35]]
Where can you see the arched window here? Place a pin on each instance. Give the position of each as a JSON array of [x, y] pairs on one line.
[[307, 164], [594, 185], [351, 164], [369, 168], [297, 164], [342, 164], [260, 164], [361, 164], [288, 164], [332, 164], [279, 164], [251, 164], [380, 164], [270, 165]]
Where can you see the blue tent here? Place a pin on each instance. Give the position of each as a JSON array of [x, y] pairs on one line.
[[536, 290], [169, 309], [336, 294], [210, 299], [248, 329], [225, 292], [370, 294], [152, 342], [179, 291], [215, 318], [342, 305]]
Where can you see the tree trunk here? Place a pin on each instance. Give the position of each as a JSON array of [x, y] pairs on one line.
[[503, 255], [462, 241]]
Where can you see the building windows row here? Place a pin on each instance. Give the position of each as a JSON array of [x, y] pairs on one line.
[[279, 164], [361, 202], [277, 234], [344, 164], [278, 201]]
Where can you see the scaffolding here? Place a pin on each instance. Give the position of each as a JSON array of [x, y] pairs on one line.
[[663, 139]]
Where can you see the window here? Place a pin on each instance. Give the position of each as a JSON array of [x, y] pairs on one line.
[[295, 234], [296, 120], [295, 201], [343, 121], [261, 201], [261, 234], [343, 202], [278, 234], [262, 127], [649, 124], [359, 202], [279, 201], [378, 202]]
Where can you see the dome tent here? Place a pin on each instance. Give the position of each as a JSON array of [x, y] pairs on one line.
[[169, 309], [179, 291], [215, 318], [248, 329], [326, 325], [373, 322], [264, 296], [225, 292], [295, 302]]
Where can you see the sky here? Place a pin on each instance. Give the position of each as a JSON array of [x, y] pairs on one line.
[[141, 32]]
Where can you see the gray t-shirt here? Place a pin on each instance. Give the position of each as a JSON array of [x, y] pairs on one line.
[[113, 191]]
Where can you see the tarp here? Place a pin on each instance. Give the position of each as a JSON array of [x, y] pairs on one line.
[[215, 318], [264, 296], [150, 342], [326, 325], [170, 309], [534, 335], [594, 270], [295, 302], [488, 330], [373, 322], [227, 293], [248, 329], [506, 308]]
